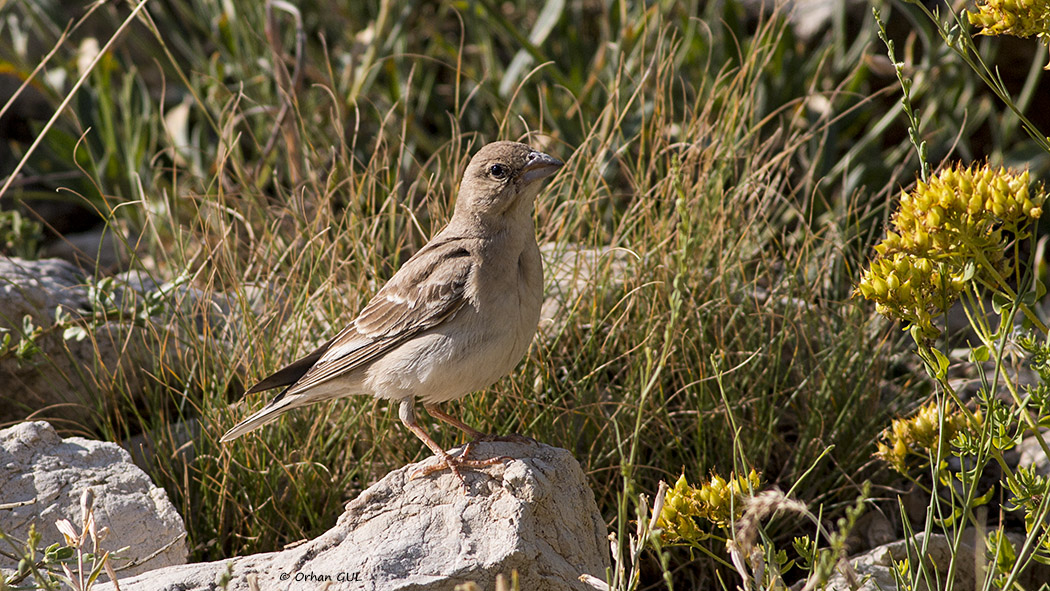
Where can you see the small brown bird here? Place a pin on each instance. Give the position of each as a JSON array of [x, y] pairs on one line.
[[455, 318]]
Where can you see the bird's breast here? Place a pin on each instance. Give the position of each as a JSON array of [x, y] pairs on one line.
[[483, 342], [510, 294]]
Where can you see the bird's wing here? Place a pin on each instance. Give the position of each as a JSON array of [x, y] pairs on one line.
[[428, 290], [290, 373]]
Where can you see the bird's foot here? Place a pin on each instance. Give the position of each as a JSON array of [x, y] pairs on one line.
[[454, 463]]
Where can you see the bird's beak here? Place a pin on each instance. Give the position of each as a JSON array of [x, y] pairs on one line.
[[539, 166]]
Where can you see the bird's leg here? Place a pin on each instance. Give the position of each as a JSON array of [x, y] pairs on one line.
[[407, 413], [437, 413], [472, 432]]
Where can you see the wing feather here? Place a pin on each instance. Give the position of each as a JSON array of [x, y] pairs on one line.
[[428, 290], [290, 373]]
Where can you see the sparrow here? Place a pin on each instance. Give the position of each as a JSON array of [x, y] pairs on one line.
[[455, 318]]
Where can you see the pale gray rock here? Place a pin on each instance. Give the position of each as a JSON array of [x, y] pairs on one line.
[[43, 477], [533, 513], [98, 248], [1032, 454], [873, 528], [35, 289], [875, 568], [133, 324]]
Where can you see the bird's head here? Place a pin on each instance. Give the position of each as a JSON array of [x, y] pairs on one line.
[[501, 177]]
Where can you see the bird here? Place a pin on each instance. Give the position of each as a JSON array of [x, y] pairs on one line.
[[455, 318]]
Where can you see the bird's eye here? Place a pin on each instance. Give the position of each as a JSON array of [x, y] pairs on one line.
[[498, 171]]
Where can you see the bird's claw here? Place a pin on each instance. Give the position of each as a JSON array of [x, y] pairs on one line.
[[454, 463]]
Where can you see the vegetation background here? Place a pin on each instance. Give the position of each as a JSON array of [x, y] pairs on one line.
[[727, 173]]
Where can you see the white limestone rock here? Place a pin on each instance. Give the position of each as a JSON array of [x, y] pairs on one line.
[[67, 380], [45, 476], [533, 513], [875, 569]]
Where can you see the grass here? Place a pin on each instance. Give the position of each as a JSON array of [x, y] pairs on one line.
[[272, 166]]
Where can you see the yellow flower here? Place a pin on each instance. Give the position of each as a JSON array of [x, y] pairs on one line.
[[918, 437], [1019, 18], [945, 233], [719, 501], [676, 517]]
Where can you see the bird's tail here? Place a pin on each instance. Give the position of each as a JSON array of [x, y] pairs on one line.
[[277, 407]]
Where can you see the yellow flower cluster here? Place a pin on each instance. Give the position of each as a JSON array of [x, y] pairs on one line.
[[919, 436], [719, 501], [945, 233], [1019, 18]]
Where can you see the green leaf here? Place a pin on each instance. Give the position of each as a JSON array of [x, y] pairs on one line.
[[62, 554], [950, 520], [942, 363], [980, 354], [1029, 298], [916, 333], [969, 270], [999, 301], [97, 570], [983, 499]]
